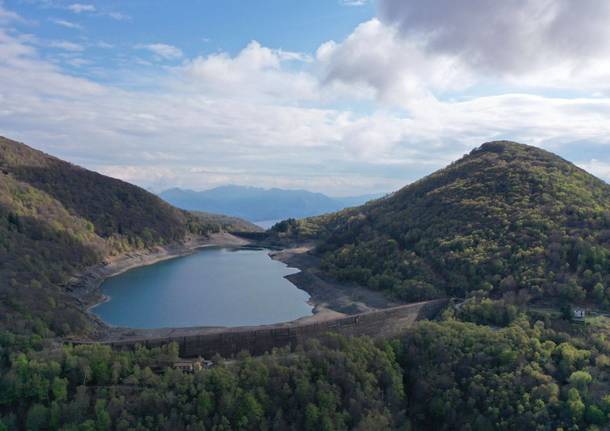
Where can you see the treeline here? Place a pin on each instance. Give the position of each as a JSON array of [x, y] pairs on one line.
[[439, 375]]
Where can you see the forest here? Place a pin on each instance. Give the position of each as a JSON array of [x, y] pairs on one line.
[[448, 374], [505, 218]]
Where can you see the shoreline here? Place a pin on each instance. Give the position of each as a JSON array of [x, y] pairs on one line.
[[85, 286], [330, 299], [327, 294]]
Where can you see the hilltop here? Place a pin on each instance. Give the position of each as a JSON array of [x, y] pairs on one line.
[[57, 218], [505, 219]]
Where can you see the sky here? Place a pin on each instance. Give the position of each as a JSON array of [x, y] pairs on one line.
[[342, 97]]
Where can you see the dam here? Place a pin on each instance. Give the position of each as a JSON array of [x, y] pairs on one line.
[[227, 342]]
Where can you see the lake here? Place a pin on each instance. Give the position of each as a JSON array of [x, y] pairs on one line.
[[216, 286]]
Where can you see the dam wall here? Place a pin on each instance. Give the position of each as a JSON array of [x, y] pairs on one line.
[[260, 339]]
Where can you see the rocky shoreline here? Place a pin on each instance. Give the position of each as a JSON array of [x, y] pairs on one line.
[[328, 295]]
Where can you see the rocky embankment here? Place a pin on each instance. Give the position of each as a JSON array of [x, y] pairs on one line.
[[328, 295]]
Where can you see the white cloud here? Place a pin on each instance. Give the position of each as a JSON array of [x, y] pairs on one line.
[[162, 50], [104, 45], [255, 72], [353, 2], [80, 7], [118, 16], [512, 37], [597, 168], [7, 15], [67, 24], [368, 113], [66, 46], [397, 70]]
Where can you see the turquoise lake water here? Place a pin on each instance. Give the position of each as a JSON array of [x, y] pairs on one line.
[[216, 286]]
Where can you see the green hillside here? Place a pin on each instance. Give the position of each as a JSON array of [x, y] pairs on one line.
[[57, 218], [504, 218]]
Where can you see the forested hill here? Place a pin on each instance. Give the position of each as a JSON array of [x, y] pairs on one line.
[[56, 218], [505, 218]]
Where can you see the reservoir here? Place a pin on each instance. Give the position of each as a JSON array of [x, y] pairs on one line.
[[216, 286]]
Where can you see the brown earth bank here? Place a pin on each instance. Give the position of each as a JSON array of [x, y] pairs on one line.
[[326, 293]]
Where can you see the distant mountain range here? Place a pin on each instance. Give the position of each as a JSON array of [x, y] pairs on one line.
[[257, 204]]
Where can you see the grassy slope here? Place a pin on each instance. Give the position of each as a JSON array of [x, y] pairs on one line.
[[503, 218], [56, 218]]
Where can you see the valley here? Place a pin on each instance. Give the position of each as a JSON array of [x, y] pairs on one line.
[[526, 244]]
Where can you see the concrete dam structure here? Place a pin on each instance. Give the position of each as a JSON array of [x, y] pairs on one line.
[[257, 340]]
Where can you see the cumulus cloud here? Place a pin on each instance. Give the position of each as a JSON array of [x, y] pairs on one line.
[[162, 50], [416, 52], [255, 72], [397, 70], [507, 37]]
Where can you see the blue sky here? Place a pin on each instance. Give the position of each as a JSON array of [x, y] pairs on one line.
[[338, 96], [196, 27]]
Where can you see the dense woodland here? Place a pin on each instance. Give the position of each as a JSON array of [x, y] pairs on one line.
[[505, 225], [531, 374], [507, 217]]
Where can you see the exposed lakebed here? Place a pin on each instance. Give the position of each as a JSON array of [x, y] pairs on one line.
[[215, 286]]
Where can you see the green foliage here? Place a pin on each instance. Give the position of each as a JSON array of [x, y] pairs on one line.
[[581, 380], [458, 374], [503, 218], [489, 312], [438, 375], [332, 385]]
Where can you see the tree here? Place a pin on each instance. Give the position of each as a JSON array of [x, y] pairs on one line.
[[37, 417], [576, 407], [59, 389], [103, 421], [594, 415], [581, 380], [312, 417]]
